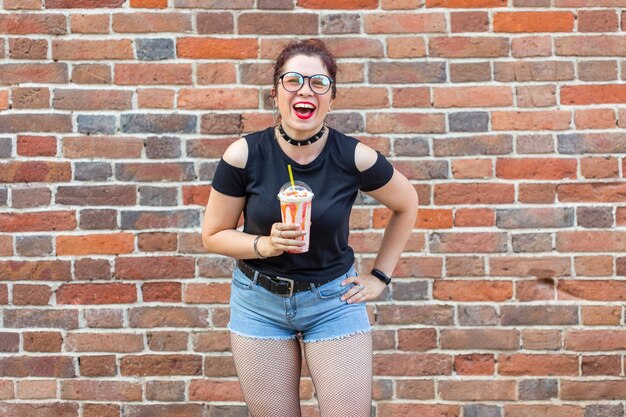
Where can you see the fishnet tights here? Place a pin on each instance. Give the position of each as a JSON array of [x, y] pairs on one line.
[[269, 374]]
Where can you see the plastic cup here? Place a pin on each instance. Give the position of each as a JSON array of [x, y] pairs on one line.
[[295, 207]]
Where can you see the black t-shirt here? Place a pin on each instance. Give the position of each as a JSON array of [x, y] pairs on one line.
[[335, 181]]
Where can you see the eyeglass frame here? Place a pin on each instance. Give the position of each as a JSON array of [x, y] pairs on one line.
[[304, 77]]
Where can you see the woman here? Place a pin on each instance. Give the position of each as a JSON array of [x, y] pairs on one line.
[[279, 296]]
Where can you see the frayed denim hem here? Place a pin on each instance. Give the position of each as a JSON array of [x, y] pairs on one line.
[[343, 336], [262, 337]]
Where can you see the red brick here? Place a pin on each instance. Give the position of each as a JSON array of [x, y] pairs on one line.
[[592, 192], [28, 23], [111, 49], [35, 270], [527, 410], [522, 364], [211, 341], [96, 294], [593, 94], [37, 366], [101, 410], [599, 167], [162, 291], [33, 73], [601, 315], [400, 4], [40, 409], [541, 267], [468, 242], [361, 98], [598, 21], [157, 242], [411, 97], [26, 294], [26, 48], [36, 145], [162, 267], [597, 290], [82, 4], [415, 389], [214, 390], [405, 123], [542, 339], [475, 364], [266, 23], [531, 120], [601, 365], [104, 342], [168, 317], [155, 98], [409, 364], [42, 341], [93, 390], [536, 168], [217, 48], [468, 47], [406, 47], [30, 98], [168, 341], [216, 73], [472, 168], [533, 290], [338, 4], [89, 23], [91, 74], [531, 46], [457, 266], [477, 390], [36, 389], [392, 409], [537, 193], [218, 98], [473, 290], [474, 217], [469, 22], [207, 293], [413, 267], [591, 241], [417, 339], [146, 22], [472, 96], [595, 340], [593, 390], [35, 171], [98, 244], [474, 193], [148, 365], [148, 74], [536, 96], [165, 410], [92, 100], [149, 4], [29, 317], [22, 4], [405, 23], [102, 147], [517, 22], [464, 4], [481, 339], [595, 119], [424, 314], [98, 365]]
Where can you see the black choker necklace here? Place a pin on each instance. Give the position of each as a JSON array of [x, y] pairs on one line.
[[308, 141]]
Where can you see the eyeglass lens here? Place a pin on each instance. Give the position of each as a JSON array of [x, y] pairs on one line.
[[293, 81]]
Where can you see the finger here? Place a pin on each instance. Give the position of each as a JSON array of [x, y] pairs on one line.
[[349, 280]]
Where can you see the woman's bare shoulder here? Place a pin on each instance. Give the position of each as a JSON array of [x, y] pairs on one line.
[[237, 153]]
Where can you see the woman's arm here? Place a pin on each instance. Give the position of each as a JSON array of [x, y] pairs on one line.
[[400, 197], [219, 227]]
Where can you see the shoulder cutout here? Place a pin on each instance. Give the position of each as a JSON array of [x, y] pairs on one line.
[[364, 157], [237, 154]]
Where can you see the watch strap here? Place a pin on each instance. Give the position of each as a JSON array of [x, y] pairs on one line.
[[381, 276]]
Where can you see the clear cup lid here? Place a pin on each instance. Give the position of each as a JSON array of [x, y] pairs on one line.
[[297, 191]]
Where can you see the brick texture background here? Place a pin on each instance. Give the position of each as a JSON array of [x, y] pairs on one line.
[[508, 116]]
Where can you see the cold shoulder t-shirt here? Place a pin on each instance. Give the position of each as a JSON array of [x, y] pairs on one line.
[[335, 181]]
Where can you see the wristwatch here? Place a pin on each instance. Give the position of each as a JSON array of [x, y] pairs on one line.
[[381, 276]]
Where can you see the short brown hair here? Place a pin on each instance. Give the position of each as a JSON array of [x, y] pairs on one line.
[[307, 47]]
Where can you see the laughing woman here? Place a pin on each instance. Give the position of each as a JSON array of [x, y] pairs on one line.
[[279, 296]]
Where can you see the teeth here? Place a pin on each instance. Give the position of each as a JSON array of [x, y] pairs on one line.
[[304, 106]]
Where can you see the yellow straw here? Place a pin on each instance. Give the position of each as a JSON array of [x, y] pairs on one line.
[[290, 175]]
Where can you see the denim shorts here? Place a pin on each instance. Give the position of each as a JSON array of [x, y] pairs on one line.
[[318, 314]]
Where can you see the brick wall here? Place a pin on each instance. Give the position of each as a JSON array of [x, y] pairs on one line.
[[505, 115]]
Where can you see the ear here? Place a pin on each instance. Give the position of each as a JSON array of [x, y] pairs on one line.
[[273, 93]]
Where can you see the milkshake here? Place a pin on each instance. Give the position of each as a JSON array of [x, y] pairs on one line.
[[295, 207]]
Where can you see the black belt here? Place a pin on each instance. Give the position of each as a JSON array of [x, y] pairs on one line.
[[278, 285]]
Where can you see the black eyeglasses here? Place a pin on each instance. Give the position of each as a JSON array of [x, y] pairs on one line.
[[318, 83]]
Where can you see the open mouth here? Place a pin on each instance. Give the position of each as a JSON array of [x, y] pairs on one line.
[[304, 110]]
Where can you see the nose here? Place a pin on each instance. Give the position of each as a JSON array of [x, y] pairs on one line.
[[305, 90]]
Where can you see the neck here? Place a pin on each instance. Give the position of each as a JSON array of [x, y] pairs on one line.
[[300, 134]]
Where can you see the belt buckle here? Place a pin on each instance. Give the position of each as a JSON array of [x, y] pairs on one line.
[[291, 285]]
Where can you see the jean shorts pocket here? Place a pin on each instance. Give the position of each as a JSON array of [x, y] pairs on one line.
[[334, 292], [241, 281]]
